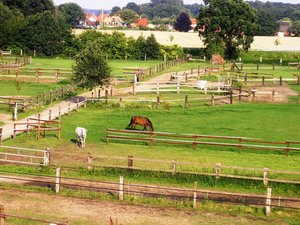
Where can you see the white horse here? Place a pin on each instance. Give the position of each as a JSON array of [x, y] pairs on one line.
[[81, 136]]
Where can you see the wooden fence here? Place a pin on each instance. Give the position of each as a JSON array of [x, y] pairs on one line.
[[8, 64], [37, 101], [25, 155], [123, 189], [6, 216], [12, 102], [38, 125], [178, 87], [294, 64], [197, 139], [131, 163], [37, 74]]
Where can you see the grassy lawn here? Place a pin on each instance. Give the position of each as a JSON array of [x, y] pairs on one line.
[[63, 63], [272, 122]]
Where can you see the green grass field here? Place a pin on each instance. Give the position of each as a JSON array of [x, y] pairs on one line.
[[272, 122]]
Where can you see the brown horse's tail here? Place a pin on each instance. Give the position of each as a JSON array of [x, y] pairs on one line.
[[150, 124]]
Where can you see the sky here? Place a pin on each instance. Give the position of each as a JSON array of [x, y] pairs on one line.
[[108, 4]]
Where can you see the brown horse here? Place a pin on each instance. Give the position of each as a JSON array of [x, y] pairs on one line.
[[142, 121]]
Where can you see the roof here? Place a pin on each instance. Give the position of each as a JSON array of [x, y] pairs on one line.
[[142, 22]]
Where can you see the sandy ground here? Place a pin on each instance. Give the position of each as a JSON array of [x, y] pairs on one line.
[[87, 211]]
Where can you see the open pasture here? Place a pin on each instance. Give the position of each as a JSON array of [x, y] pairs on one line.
[[271, 122]]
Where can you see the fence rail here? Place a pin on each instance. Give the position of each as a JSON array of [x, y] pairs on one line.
[[121, 189], [173, 166], [25, 155], [17, 73], [193, 139], [5, 216]]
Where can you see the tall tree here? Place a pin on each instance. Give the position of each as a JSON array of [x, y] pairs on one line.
[[72, 12], [183, 23], [128, 15], [295, 28], [115, 10], [30, 7], [152, 47], [133, 6], [267, 23], [91, 69], [11, 21], [226, 26], [47, 33]]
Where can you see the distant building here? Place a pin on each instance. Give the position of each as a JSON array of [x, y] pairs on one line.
[[90, 20], [284, 26], [114, 21], [141, 22], [102, 16], [193, 23]]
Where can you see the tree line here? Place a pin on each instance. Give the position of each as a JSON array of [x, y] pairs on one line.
[[41, 27], [167, 11]]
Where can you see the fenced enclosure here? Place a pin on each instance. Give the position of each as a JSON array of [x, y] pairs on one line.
[[123, 189], [39, 126], [25, 155], [23, 103], [130, 163], [35, 74], [195, 140]]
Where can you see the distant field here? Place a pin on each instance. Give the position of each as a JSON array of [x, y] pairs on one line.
[[116, 65], [192, 40]]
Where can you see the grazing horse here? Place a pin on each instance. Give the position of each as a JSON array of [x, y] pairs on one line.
[[81, 136], [142, 121]]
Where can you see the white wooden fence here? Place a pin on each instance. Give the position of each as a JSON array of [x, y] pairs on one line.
[[25, 155]]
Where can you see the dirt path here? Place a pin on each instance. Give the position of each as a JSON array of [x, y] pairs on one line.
[[97, 212]]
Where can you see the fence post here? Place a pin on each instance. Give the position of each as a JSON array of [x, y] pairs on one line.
[[185, 101], [245, 81], [157, 101], [90, 162], [263, 81], [280, 81], [253, 95], [130, 163], [173, 167], [268, 201], [273, 95], [240, 93], [121, 188], [50, 114], [106, 96], [231, 96], [51, 96], [218, 170], [178, 86], [120, 102], [195, 196], [47, 157], [69, 106], [266, 176], [57, 180], [2, 215], [212, 100], [157, 88], [99, 93], [1, 136]]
